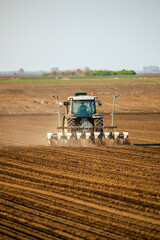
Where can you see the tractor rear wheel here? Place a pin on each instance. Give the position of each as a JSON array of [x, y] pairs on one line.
[[98, 122], [68, 122]]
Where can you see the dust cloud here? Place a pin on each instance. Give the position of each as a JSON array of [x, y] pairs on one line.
[[26, 130]]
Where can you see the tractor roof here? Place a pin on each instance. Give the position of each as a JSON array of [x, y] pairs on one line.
[[82, 97]]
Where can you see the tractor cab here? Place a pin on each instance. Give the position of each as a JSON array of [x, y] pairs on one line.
[[82, 105]]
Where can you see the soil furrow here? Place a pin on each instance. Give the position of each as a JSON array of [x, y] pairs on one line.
[[107, 221], [87, 230]]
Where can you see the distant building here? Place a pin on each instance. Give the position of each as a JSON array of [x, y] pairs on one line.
[[87, 68], [151, 69], [54, 69], [21, 71]]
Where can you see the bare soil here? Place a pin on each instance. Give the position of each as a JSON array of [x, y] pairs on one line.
[[36, 98], [72, 192]]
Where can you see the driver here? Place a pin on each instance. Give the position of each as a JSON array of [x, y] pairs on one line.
[[82, 108]]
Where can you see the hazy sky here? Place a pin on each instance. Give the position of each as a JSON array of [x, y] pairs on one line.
[[71, 34]]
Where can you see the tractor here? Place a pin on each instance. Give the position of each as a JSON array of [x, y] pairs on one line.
[[82, 124]]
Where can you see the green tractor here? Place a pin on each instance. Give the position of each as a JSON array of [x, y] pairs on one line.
[[81, 123], [81, 113]]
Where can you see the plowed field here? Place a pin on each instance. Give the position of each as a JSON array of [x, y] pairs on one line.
[[80, 193], [110, 192]]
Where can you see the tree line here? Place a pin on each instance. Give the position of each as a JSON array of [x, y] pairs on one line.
[[109, 73], [80, 72]]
